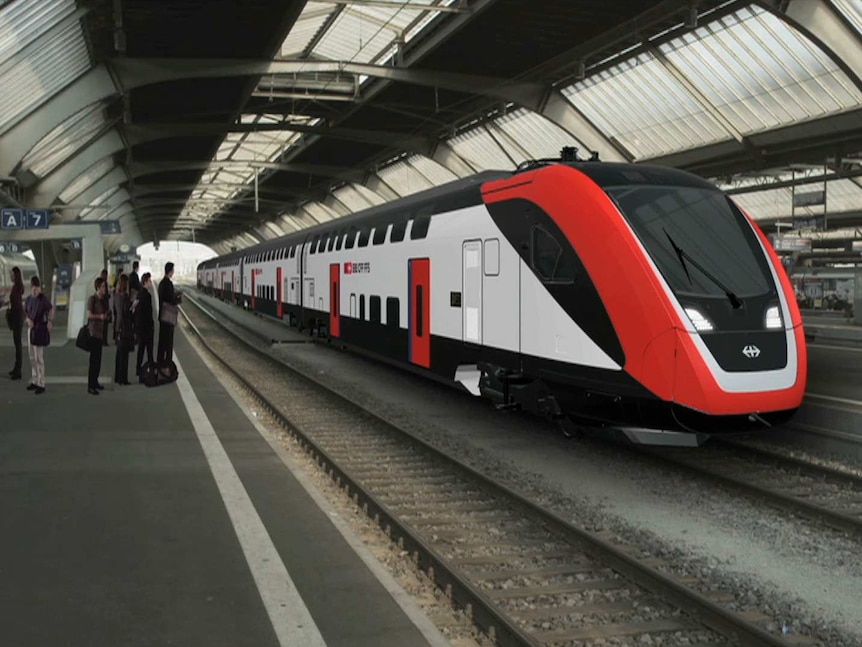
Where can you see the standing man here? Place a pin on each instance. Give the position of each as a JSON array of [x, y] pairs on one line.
[[167, 297], [134, 281], [144, 325], [106, 298]]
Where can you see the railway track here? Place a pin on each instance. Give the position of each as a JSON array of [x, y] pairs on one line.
[[814, 491], [525, 575]]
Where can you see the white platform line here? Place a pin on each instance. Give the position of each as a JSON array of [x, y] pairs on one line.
[[290, 618], [857, 403], [403, 599]]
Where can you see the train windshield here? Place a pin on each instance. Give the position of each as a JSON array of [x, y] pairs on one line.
[[700, 241]]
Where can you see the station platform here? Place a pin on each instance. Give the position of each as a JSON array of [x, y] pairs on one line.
[[166, 516], [828, 328]]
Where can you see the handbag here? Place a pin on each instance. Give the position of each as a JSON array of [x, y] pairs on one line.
[[168, 314], [83, 340], [9, 321]]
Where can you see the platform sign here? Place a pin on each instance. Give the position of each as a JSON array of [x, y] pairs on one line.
[[12, 219], [790, 243], [37, 219], [11, 248]]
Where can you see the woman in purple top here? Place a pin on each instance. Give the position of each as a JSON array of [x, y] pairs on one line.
[[16, 319], [40, 316]]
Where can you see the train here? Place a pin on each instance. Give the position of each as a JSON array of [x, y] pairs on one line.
[[607, 295]]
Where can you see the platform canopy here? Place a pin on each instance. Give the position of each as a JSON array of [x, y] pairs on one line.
[[231, 123]]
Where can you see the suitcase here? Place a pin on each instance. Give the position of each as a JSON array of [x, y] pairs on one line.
[[167, 374], [150, 374]]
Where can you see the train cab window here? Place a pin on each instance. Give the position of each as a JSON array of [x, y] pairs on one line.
[[492, 257], [548, 258], [420, 227], [380, 234], [398, 230], [374, 309], [314, 242], [364, 235], [393, 312], [362, 307]]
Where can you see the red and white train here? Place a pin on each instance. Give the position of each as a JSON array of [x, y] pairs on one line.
[[629, 296]]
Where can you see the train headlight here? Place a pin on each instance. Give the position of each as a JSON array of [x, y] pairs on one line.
[[773, 318], [700, 323]]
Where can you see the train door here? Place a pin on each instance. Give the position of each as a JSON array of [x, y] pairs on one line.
[[471, 307], [419, 311], [334, 300], [279, 292], [308, 293], [222, 285]]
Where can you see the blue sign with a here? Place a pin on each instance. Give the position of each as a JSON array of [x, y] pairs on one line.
[[12, 219], [37, 219]]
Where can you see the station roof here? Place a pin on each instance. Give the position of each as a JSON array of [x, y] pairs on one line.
[[232, 123]]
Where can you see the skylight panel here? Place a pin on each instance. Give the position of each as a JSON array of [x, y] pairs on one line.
[[27, 83], [23, 21], [852, 10], [641, 104], [436, 173], [760, 73], [536, 135], [404, 178], [481, 150]]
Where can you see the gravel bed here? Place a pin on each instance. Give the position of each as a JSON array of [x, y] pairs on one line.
[[806, 576]]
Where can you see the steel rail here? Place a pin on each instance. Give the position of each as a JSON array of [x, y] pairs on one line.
[[484, 613]]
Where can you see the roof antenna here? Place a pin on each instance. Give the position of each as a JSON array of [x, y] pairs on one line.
[[569, 154]]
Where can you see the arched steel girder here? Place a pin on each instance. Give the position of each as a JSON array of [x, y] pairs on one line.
[[113, 178], [141, 169]]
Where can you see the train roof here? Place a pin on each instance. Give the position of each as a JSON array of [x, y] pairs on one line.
[[467, 191]]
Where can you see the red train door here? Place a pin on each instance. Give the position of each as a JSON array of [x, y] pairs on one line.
[[334, 305], [279, 292], [419, 317]]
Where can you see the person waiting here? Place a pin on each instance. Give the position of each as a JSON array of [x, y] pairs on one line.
[[15, 319], [144, 325], [168, 300], [40, 317], [97, 316], [134, 281], [125, 330]]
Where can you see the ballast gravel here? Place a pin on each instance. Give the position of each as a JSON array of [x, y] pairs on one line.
[[807, 576]]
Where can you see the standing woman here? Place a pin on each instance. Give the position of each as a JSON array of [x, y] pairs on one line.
[[97, 315], [16, 319], [40, 316], [125, 335]]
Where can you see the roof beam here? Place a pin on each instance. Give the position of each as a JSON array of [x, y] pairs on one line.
[[139, 169]]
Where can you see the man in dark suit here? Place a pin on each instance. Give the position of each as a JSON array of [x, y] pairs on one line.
[[145, 327], [134, 281], [167, 294]]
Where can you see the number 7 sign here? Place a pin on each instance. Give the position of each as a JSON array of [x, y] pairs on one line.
[[37, 219]]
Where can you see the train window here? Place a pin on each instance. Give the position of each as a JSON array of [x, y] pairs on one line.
[[364, 234], [420, 227], [380, 234], [393, 312], [548, 259], [398, 230], [321, 244], [292, 251], [362, 307], [330, 243], [351, 238], [374, 309], [314, 242], [339, 239], [492, 257]]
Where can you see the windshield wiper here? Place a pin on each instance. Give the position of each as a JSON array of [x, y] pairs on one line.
[[735, 301]]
